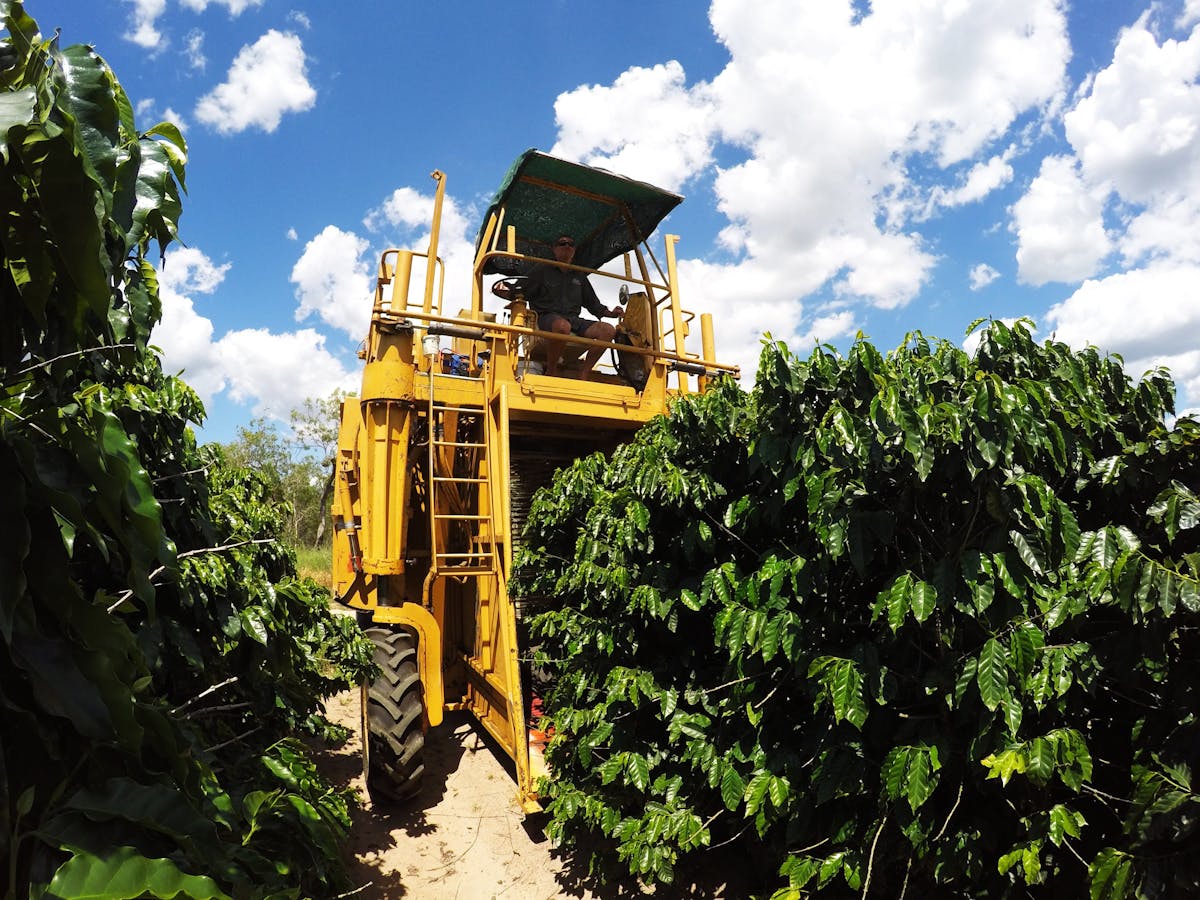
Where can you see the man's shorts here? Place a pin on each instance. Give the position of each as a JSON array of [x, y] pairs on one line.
[[578, 323]]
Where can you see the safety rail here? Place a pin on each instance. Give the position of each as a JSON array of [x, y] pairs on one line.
[[485, 330], [399, 276]]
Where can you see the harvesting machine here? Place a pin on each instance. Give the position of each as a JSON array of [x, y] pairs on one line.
[[456, 427]]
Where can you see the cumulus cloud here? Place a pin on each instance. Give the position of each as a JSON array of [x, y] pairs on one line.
[[333, 280], [403, 220], [184, 336], [827, 328], [981, 276], [1134, 130], [272, 372], [673, 125], [235, 7], [276, 372], [1151, 316], [840, 130], [1060, 225], [267, 80], [981, 180], [194, 50], [146, 14]]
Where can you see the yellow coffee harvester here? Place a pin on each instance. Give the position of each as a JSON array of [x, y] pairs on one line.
[[456, 427]]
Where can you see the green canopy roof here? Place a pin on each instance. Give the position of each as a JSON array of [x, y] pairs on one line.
[[546, 198]]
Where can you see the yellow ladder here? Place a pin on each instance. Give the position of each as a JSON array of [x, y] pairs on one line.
[[456, 496]]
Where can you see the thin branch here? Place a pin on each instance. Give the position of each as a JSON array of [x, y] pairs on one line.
[[946, 824], [198, 552], [871, 858], [907, 872], [732, 839], [211, 710], [1092, 790], [763, 702], [125, 595], [29, 422], [812, 846], [50, 362], [204, 693], [233, 740], [204, 468], [357, 890]]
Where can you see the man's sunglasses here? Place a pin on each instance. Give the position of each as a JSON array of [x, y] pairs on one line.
[[565, 243]]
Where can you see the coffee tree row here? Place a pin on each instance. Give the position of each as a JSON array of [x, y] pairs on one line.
[[156, 651], [886, 626]]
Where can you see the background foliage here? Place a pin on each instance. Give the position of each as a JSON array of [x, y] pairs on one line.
[[155, 649], [295, 463], [886, 626]]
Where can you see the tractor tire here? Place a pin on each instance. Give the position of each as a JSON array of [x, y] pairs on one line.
[[395, 718]]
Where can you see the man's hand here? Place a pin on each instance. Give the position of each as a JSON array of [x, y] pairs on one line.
[[617, 311]]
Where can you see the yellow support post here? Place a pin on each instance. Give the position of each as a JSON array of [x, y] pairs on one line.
[[678, 325]]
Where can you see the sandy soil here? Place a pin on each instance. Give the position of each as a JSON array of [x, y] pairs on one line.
[[463, 837]]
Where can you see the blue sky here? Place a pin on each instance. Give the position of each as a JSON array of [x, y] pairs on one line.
[[885, 167]]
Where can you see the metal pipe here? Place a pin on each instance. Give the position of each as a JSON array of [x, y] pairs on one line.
[[434, 231]]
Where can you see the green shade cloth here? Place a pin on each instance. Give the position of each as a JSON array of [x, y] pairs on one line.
[[545, 198]]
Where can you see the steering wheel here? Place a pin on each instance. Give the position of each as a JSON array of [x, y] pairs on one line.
[[509, 288]]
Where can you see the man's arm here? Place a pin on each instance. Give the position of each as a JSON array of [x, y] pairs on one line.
[[592, 302]]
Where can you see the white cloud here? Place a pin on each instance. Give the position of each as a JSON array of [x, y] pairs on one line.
[[827, 328], [1135, 133], [333, 280], [235, 7], [292, 235], [827, 106], [673, 125], [267, 80], [1060, 226], [981, 180], [186, 337], [404, 217], [1146, 314], [272, 372], [146, 110], [276, 373], [146, 14], [299, 18], [981, 276], [194, 50], [1138, 130]]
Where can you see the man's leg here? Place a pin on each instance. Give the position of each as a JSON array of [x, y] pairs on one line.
[[554, 349], [597, 331]]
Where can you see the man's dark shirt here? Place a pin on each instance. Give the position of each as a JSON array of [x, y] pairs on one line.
[[552, 290]]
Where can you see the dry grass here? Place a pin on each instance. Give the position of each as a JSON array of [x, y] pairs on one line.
[[316, 564]]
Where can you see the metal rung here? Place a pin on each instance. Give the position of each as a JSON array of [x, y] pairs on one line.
[[465, 410], [457, 444], [452, 571], [463, 518], [463, 480], [484, 556]]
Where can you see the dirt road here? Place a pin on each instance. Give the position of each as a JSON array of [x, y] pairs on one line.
[[463, 837]]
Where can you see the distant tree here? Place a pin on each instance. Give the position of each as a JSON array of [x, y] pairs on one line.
[[290, 461], [315, 427]]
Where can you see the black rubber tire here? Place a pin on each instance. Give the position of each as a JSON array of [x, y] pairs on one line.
[[395, 718]]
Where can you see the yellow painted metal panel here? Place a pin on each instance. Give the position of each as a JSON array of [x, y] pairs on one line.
[[429, 652]]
